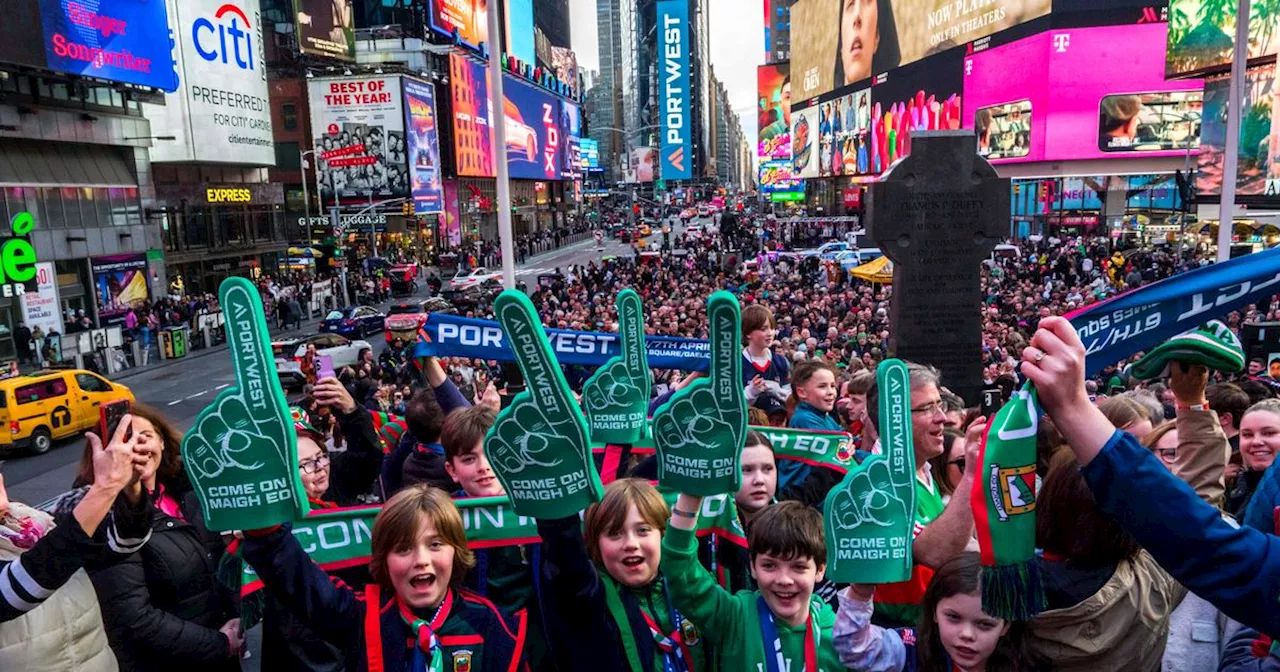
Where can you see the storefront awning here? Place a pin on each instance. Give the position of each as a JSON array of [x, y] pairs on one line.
[[26, 163]]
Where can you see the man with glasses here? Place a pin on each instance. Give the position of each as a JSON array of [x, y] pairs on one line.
[[940, 531]]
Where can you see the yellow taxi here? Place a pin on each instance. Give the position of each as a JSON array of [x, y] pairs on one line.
[[43, 406]]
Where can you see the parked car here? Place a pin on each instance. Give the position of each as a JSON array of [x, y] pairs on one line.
[[405, 319], [827, 251], [353, 321], [289, 353], [46, 405], [468, 279]]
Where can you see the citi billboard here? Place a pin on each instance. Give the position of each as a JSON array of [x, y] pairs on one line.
[[676, 109]]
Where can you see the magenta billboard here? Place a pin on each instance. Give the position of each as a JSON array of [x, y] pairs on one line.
[[1110, 99]]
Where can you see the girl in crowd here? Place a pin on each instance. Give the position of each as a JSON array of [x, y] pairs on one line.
[[162, 606], [954, 632], [949, 466], [40, 564], [1259, 442], [414, 616], [607, 599], [727, 558]]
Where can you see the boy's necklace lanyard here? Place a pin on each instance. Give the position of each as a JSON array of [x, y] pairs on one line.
[[675, 653], [774, 660], [424, 632]]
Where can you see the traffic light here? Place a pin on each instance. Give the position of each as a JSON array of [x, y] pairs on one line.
[[407, 208]]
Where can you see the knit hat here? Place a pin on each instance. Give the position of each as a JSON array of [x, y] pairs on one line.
[[1213, 345], [300, 424]]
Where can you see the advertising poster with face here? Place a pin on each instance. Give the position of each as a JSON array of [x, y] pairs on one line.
[[804, 142], [358, 126], [774, 111]]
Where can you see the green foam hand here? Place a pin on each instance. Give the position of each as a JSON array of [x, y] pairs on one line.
[[616, 398], [699, 432], [538, 447], [869, 516], [242, 452]]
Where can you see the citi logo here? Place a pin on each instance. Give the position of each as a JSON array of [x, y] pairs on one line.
[[676, 159], [229, 40], [1060, 42]]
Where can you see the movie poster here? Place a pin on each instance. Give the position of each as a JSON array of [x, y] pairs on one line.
[[774, 111], [423, 140]]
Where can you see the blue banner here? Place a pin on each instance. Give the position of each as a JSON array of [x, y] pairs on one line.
[[1135, 321], [453, 336], [122, 41], [676, 107], [422, 135]]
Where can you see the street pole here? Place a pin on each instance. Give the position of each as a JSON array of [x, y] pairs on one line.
[[1227, 204], [306, 196], [498, 132], [373, 229]]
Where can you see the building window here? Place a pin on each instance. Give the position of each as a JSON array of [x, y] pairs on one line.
[[289, 116]]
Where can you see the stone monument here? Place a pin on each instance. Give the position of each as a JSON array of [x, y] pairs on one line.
[[937, 213]]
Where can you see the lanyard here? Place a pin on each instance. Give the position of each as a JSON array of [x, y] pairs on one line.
[[675, 653], [425, 632], [773, 658]]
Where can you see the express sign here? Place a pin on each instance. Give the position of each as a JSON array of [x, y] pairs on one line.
[[17, 257]]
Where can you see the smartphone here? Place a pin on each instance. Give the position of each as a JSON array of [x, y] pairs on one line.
[[992, 399], [324, 367], [109, 416]]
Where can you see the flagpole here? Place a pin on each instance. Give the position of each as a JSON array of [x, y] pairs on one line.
[[498, 133], [1227, 204]]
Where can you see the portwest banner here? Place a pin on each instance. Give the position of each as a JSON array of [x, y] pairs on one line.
[[677, 112], [453, 336], [1114, 330]]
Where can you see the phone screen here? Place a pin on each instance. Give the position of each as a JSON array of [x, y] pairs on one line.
[[991, 401], [109, 416]]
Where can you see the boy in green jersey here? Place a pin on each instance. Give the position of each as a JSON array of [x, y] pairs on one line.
[[781, 626]]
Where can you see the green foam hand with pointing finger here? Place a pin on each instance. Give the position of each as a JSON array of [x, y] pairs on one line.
[[616, 398], [699, 432], [241, 454], [538, 446]]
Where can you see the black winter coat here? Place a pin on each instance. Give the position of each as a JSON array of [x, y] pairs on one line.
[[162, 606]]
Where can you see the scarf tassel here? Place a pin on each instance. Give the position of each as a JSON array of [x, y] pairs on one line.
[[1012, 592]]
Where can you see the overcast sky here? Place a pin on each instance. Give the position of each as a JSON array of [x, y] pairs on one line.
[[737, 47]]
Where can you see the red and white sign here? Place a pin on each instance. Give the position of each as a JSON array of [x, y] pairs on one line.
[[853, 197]]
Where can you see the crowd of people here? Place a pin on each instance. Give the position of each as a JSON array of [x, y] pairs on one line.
[[1154, 519]]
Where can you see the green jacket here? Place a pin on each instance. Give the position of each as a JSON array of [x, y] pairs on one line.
[[731, 622]]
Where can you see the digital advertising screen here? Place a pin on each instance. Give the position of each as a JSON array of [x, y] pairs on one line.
[[1004, 131], [116, 41], [676, 94], [804, 142], [835, 43], [1006, 98], [422, 140], [21, 39], [774, 111], [358, 126], [519, 18], [844, 125], [590, 154], [1258, 169], [325, 28], [469, 90], [1202, 35], [534, 142], [119, 283], [571, 142], [777, 176], [465, 17], [923, 96]]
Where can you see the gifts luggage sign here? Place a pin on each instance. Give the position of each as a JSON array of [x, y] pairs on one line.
[[869, 516], [242, 452], [538, 447], [700, 431], [617, 396]]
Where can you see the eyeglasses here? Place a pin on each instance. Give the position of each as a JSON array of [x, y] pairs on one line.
[[931, 408], [314, 464], [1167, 454]]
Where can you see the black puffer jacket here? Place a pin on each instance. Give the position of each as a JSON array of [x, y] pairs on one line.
[[162, 606]]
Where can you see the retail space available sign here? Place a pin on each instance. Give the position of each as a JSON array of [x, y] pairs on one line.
[[40, 308], [17, 257], [358, 126], [220, 112], [673, 59]]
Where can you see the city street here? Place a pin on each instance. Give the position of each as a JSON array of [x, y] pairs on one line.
[[183, 388]]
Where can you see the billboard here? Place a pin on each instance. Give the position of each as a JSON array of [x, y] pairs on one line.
[[535, 143], [469, 90], [565, 64], [804, 142], [1258, 170], [466, 17], [773, 86], [116, 41], [119, 283], [844, 125], [1131, 112], [220, 112], [519, 29], [777, 176], [674, 105], [590, 154], [642, 165], [1202, 34], [358, 126], [571, 141], [325, 28], [838, 44], [422, 143], [923, 96]]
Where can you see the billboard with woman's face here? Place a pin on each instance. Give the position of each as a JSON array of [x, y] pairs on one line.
[[774, 111], [838, 43]]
